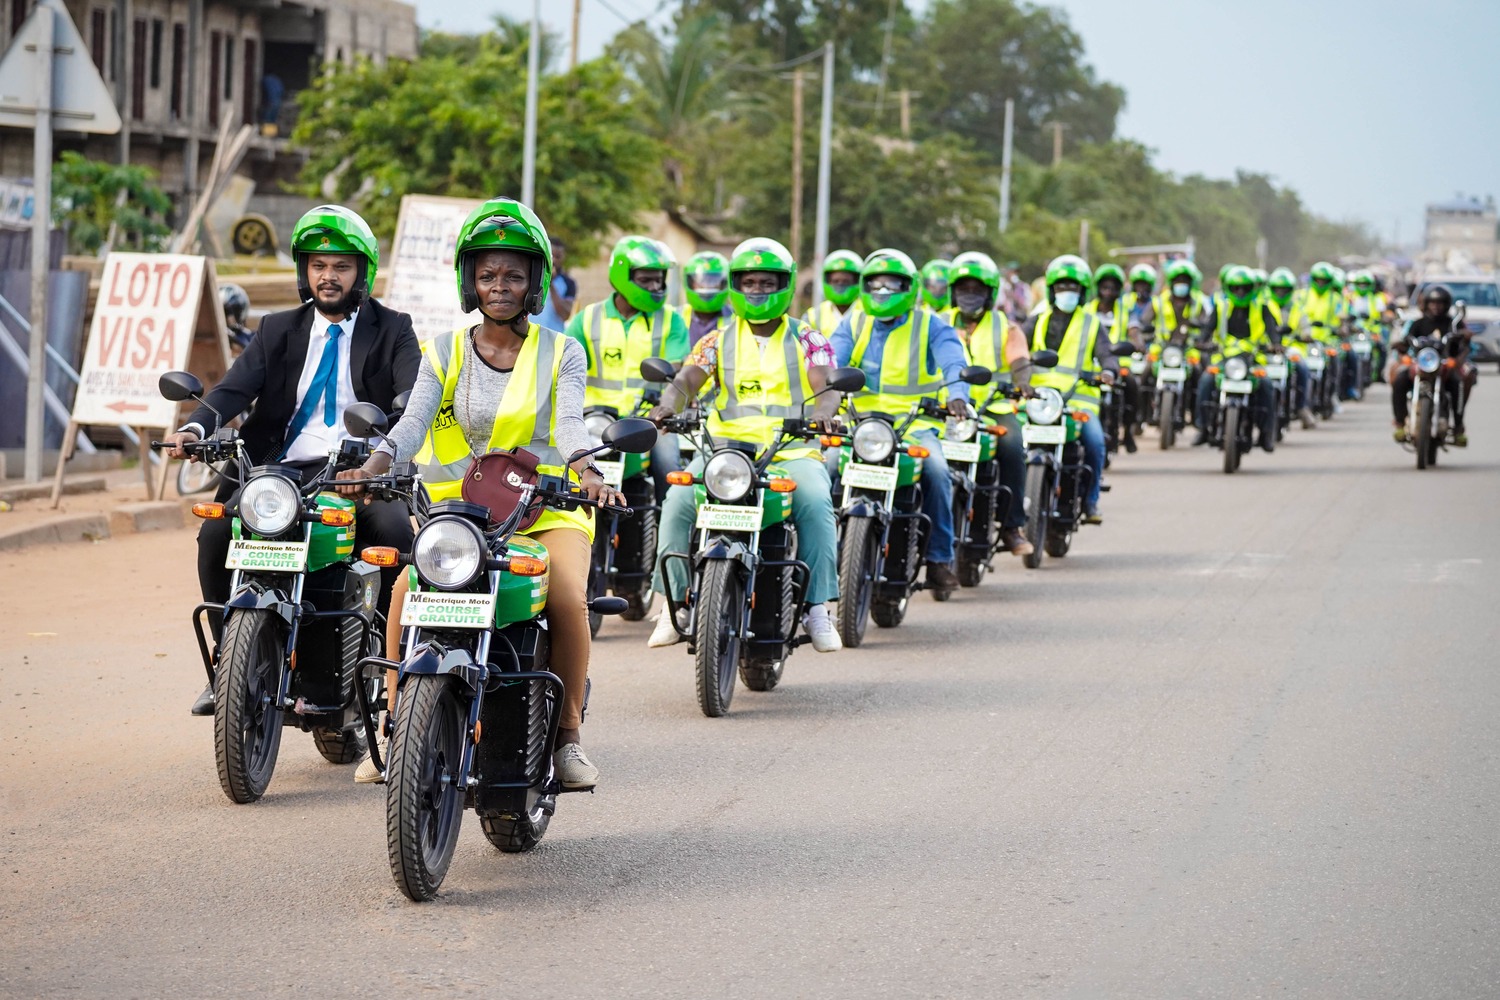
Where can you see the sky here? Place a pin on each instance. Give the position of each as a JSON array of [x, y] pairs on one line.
[[1369, 109]]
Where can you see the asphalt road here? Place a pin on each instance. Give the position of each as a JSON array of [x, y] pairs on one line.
[[1243, 742]]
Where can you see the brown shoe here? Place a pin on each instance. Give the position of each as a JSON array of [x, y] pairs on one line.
[[1015, 542], [941, 577]]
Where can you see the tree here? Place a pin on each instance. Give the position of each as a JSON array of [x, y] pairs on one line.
[[89, 197]]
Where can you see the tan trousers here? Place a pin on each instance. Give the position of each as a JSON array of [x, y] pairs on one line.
[[568, 557]]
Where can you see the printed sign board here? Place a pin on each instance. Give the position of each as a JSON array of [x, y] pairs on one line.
[[421, 269]]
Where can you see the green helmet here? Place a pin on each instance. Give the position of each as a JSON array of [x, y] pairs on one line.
[[335, 229], [1321, 271], [935, 272], [1224, 272], [1110, 271], [1282, 283], [976, 265], [841, 260], [1183, 268], [762, 254], [711, 271], [503, 224], [1143, 272], [891, 303], [1239, 285], [1069, 267], [638, 253], [1258, 274], [1363, 281], [1338, 277]]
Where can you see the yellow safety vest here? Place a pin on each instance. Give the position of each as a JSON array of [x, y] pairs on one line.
[[1167, 317], [904, 376], [614, 376], [985, 346], [1120, 318], [1257, 341], [761, 382], [1310, 307], [825, 317], [525, 418], [1075, 357]]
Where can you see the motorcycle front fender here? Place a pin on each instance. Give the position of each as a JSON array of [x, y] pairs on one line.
[[1041, 456], [434, 661], [248, 598], [721, 548]]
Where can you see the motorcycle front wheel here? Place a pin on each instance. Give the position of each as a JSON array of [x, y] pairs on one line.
[[1231, 439], [424, 805], [1426, 451], [247, 721], [1168, 418], [858, 555], [716, 649], [1038, 506], [196, 477]]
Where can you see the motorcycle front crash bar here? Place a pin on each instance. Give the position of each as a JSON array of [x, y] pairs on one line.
[[198, 619], [364, 704], [673, 606]]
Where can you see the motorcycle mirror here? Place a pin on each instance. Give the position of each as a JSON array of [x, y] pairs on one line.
[[365, 420], [657, 370], [847, 379], [975, 375], [632, 435], [1124, 349], [179, 386], [1044, 359], [398, 405]]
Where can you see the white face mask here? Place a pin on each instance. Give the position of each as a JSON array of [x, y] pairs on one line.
[[1066, 301], [1181, 289]]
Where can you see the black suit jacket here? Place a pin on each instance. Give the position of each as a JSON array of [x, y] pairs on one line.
[[383, 360]]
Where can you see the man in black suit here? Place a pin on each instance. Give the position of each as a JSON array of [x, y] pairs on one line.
[[300, 372]]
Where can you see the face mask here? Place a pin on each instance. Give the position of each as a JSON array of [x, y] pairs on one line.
[[1181, 289], [1066, 301], [971, 303]]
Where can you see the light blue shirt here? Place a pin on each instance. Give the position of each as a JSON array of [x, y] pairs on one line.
[[945, 351], [549, 317]]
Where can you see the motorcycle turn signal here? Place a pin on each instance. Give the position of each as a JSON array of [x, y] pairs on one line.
[[210, 511]]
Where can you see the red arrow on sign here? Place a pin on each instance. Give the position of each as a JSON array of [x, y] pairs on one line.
[[124, 407]]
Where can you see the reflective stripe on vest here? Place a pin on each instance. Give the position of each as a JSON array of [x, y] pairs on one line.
[[777, 375], [1077, 345], [1118, 315], [825, 317], [1257, 339], [986, 345], [617, 381], [897, 385]]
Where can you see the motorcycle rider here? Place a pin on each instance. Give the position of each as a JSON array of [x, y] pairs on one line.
[[840, 292], [1181, 303], [1436, 320], [1371, 308], [1074, 333], [1317, 311], [1281, 286], [298, 375], [991, 340], [705, 282], [236, 310], [1114, 316], [759, 370], [616, 344], [936, 294], [889, 332], [1142, 290], [1244, 326], [479, 390]]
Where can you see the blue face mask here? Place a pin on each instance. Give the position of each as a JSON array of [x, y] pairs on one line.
[[1181, 289], [1066, 301]]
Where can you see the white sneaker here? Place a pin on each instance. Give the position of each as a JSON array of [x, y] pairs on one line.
[[820, 628], [664, 634], [574, 770], [367, 773]]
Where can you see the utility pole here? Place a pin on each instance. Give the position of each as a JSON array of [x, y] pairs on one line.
[[906, 96], [1005, 151], [41, 218], [1057, 131], [573, 54], [885, 61], [825, 166], [1083, 239], [796, 163], [533, 70]]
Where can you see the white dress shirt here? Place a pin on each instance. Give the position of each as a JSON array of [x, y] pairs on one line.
[[317, 438]]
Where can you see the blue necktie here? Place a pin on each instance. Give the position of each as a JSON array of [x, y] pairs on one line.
[[325, 384]]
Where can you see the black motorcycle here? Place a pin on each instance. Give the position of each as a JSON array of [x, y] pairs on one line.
[[624, 554]]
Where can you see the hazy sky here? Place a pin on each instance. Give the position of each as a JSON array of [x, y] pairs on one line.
[[1370, 109]]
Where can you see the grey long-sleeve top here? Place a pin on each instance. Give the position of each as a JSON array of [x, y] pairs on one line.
[[477, 397]]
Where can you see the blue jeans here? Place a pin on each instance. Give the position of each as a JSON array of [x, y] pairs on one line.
[[666, 456], [1092, 436], [937, 496], [812, 513], [1303, 383]]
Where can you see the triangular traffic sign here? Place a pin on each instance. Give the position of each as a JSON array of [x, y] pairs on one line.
[[80, 100]]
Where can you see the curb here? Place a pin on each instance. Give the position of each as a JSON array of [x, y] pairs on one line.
[[66, 528], [160, 515], [36, 491]]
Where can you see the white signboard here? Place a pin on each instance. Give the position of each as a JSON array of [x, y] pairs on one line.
[[143, 326], [421, 278]]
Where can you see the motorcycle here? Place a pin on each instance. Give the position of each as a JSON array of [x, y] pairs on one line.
[[1234, 416], [883, 533], [1171, 366], [980, 503], [1431, 406], [624, 555], [1323, 364], [477, 708], [1279, 372], [1357, 359], [300, 617], [747, 584]]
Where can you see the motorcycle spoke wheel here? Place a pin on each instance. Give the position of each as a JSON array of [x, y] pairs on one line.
[[247, 723], [424, 803]]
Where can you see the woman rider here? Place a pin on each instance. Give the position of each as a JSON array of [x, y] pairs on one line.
[[484, 383]]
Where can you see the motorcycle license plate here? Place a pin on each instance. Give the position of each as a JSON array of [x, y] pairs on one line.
[[1043, 434], [1277, 372], [613, 472], [266, 557], [1172, 375], [1237, 385], [870, 477], [1315, 364], [961, 451], [436, 610], [718, 517], [1362, 348]]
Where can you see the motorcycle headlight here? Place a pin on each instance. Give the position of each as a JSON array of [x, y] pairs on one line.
[[1428, 360], [1045, 407], [728, 476], [269, 505], [1172, 357], [961, 429], [1235, 369], [448, 553], [596, 424], [874, 440]]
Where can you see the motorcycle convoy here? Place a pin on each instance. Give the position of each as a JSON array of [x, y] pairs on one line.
[[477, 710]]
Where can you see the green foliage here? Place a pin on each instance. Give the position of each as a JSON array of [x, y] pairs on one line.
[[453, 125], [89, 196]]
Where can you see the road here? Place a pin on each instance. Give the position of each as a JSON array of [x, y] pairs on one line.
[[1243, 742]]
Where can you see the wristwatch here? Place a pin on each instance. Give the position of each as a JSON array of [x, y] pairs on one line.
[[591, 467]]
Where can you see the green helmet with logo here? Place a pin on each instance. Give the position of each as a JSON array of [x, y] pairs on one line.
[[335, 229], [1282, 283], [1184, 268], [936, 290], [888, 304], [762, 254], [841, 260], [1114, 271], [1321, 271], [979, 266], [634, 253], [1363, 281], [1069, 267], [1239, 285], [503, 224], [1143, 272], [706, 281]]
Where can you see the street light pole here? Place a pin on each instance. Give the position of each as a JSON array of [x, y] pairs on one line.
[[528, 151], [825, 167], [41, 217], [1005, 150]]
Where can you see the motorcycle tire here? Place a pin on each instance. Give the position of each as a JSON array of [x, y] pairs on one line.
[[339, 746], [1231, 439], [196, 477], [888, 613], [858, 553], [716, 653], [1037, 503], [972, 565], [513, 834], [247, 726], [638, 602], [1058, 543], [424, 806], [1425, 450], [763, 674], [596, 588], [1168, 418]]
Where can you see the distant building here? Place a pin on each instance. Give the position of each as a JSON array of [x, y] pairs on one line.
[[1462, 233]]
